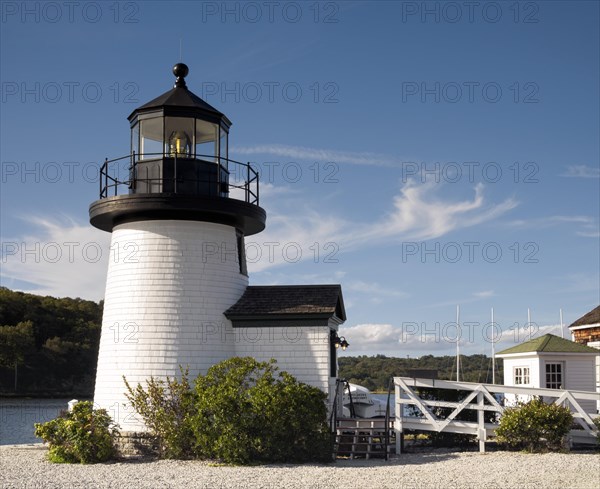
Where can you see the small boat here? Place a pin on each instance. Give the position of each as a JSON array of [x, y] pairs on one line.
[[358, 402]]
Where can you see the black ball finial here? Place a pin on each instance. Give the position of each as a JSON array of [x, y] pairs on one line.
[[180, 70]]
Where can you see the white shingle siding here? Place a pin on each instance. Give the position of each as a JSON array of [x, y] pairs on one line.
[[164, 307], [578, 373], [162, 302]]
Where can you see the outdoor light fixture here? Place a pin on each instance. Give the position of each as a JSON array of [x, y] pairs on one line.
[[339, 341]]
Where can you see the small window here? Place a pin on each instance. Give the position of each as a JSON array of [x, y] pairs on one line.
[[241, 252], [521, 375], [554, 375]]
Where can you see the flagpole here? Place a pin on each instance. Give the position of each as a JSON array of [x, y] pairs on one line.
[[529, 322], [562, 326]]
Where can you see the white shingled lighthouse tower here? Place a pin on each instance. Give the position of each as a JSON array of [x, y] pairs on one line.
[[176, 261], [177, 287]]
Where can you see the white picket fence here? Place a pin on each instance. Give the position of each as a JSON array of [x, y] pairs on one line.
[[481, 399]]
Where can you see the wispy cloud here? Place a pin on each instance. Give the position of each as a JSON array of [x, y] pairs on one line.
[[301, 231], [544, 222], [589, 225], [581, 171], [373, 292], [417, 213], [589, 234], [484, 293], [61, 257], [314, 154]]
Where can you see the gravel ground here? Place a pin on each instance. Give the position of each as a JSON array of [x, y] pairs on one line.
[[26, 467]]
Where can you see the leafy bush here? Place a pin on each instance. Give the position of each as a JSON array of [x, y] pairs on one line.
[[241, 411], [84, 435], [246, 412], [535, 426], [166, 408]]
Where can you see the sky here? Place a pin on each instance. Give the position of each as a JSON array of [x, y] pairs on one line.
[[424, 155]]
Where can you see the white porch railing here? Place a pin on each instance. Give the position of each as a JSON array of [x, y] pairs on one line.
[[481, 399]]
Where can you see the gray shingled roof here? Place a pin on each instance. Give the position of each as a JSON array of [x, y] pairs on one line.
[[302, 305], [592, 317], [549, 343]]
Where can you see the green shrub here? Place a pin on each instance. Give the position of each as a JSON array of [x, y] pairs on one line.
[[84, 435], [535, 426], [166, 409], [247, 412], [242, 411]]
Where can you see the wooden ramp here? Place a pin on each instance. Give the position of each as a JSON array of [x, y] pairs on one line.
[[422, 413], [364, 438]]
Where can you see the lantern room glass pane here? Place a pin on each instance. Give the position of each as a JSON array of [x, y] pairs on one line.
[[206, 140], [223, 150], [179, 133], [135, 139], [151, 138]]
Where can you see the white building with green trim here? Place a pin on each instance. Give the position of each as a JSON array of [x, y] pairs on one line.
[[551, 362]]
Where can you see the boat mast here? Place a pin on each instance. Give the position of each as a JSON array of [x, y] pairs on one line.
[[562, 326], [457, 343], [493, 350]]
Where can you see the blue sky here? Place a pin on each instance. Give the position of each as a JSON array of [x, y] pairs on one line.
[[423, 154]]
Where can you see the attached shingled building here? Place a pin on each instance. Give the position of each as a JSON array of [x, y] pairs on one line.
[[296, 325]]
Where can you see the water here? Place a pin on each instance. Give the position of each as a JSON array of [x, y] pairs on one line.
[[383, 399], [17, 417]]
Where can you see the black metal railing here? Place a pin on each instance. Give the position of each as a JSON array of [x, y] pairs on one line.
[[162, 173]]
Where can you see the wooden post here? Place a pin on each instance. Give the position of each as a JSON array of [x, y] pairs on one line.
[[482, 435], [398, 421]]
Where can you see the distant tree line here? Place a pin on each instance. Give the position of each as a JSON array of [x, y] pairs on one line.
[[374, 372], [48, 346]]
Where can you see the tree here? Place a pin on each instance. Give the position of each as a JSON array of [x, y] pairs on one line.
[[66, 335], [15, 343]]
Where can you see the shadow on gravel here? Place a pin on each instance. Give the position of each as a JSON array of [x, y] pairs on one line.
[[402, 459]]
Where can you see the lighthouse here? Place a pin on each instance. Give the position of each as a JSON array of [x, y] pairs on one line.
[[177, 294]]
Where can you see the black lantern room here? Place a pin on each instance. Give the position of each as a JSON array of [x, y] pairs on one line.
[[178, 125], [178, 168]]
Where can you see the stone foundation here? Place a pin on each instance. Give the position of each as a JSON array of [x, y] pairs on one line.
[[131, 444]]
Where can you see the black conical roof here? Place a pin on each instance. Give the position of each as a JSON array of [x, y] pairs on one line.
[[181, 101]]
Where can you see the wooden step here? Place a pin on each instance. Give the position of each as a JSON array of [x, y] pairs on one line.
[[357, 436]]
